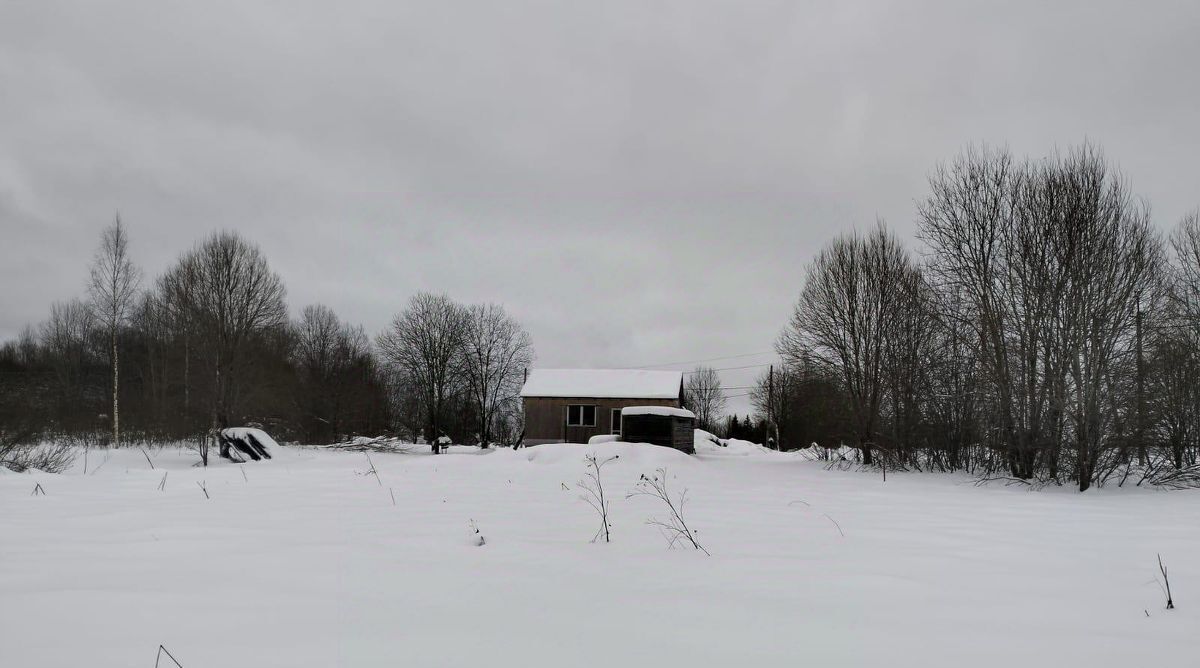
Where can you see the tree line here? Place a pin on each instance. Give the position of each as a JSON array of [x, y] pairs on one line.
[[209, 344], [1045, 334]]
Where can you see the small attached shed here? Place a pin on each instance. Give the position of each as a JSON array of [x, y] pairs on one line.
[[660, 425]]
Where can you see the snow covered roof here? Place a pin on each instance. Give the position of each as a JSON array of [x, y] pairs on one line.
[[658, 410], [603, 383]]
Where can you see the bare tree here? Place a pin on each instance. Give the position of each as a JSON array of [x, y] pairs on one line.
[[331, 358], [704, 396], [1052, 260], [495, 352], [422, 345], [113, 287], [227, 296], [68, 346], [845, 319]]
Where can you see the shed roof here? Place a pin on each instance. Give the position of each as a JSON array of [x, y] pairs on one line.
[[665, 411], [603, 383]]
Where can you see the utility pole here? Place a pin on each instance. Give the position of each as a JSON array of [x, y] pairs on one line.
[[773, 429], [1141, 389]]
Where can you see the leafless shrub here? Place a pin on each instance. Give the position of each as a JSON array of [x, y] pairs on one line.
[[1187, 477], [593, 488], [674, 528], [371, 470], [1165, 584], [54, 457]]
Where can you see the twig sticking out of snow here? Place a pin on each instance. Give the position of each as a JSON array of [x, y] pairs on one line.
[[37, 489], [102, 463], [147, 456], [204, 488], [371, 471], [163, 650], [1166, 584], [674, 529], [835, 523], [393, 495], [594, 493], [162, 484], [476, 536]]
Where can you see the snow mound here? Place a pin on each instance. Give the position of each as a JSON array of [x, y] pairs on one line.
[[642, 455], [603, 438], [707, 443]]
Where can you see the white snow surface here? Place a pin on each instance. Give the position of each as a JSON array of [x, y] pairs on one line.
[[305, 561], [603, 383], [658, 410]]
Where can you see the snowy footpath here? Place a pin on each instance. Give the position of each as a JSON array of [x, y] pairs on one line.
[[310, 559]]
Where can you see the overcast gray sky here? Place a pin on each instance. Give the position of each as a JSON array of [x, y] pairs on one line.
[[638, 182]]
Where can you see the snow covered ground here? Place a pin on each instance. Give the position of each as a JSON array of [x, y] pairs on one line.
[[306, 561]]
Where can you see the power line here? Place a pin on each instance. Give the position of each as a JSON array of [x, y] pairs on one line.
[[711, 359], [732, 368]]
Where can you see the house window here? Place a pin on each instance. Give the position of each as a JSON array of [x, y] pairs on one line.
[[616, 420], [581, 415]]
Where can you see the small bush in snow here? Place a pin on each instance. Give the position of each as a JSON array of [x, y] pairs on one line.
[[1165, 584], [20, 456], [674, 528], [593, 489]]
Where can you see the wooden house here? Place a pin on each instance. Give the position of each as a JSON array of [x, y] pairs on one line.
[[573, 405]]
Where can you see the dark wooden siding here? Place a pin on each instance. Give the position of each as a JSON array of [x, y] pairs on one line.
[[546, 417], [666, 430]]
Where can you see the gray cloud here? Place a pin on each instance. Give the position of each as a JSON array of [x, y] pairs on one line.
[[638, 182]]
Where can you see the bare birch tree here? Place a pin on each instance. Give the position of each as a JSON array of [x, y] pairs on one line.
[[113, 286]]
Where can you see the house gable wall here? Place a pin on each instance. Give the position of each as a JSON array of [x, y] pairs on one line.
[[546, 417]]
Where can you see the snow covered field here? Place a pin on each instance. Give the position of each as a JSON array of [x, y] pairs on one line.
[[305, 561]]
